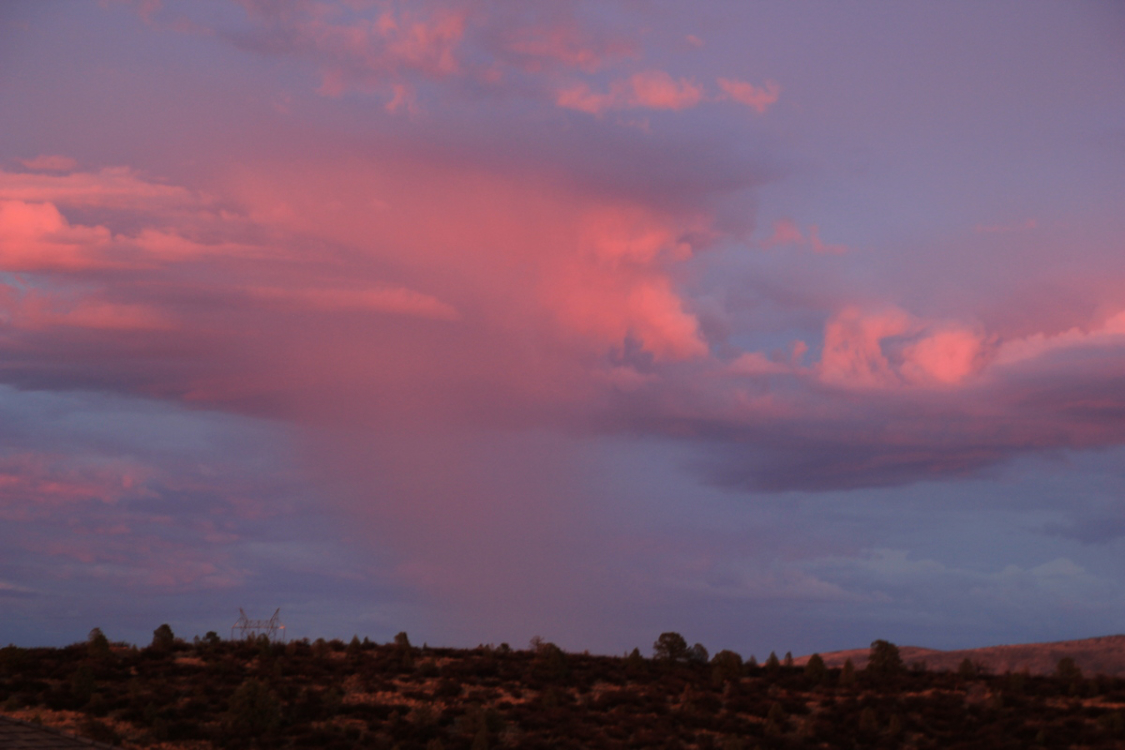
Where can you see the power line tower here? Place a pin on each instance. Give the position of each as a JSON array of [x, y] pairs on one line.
[[248, 629]]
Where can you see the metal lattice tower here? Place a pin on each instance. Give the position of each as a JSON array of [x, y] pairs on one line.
[[248, 629]]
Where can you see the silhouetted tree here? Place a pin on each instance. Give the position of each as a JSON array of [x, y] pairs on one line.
[[1067, 670], [82, 685], [163, 639], [634, 662], [697, 654], [788, 662], [815, 669], [967, 670], [868, 721], [254, 711], [97, 645], [847, 674], [776, 720], [670, 646], [885, 660], [726, 666], [551, 662]]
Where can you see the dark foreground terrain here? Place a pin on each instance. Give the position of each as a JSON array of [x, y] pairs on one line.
[[221, 694]]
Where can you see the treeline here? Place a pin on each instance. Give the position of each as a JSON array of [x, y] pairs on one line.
[[212, 693]]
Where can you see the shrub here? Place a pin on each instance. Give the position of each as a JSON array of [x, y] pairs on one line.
[[254, 711]]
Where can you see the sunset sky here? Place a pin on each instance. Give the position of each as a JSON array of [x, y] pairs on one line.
[[786, 326]]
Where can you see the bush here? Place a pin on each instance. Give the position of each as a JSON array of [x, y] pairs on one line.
[[254, 711]]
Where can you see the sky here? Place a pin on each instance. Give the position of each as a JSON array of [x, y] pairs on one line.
[[785, 326]]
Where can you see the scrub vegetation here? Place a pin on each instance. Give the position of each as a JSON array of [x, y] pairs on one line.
[[211, 694]]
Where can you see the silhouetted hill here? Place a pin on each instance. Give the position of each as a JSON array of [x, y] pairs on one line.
[[213, 694], [1104, 655]]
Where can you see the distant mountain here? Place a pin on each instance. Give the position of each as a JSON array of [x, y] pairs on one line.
[[1104, 655]]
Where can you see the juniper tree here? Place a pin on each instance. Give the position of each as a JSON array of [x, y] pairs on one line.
[[885, 660], [847, 674], [97, 645], [163, 639], [671, 647], [726, 666], [815, 669]]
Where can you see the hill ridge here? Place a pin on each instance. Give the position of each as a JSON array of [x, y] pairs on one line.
[[1104, 654]]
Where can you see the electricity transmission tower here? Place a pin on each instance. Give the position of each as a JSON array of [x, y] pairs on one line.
[[248, 629]]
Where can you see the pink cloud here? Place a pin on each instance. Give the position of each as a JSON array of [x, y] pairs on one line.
[[37, 309], [945, 357], [50, 163], [788, 232], [583, 99], [1109, 332], [653, 89], [364, 50], [403, 98], [892, 348], [656, 89], [630, 234], [393, 300], [820, 247], [499, 297], [567, 45], [853, 353], [35, 236], [33, 482], [112, 187], [757, 98], [785, 232], [756, 363]]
